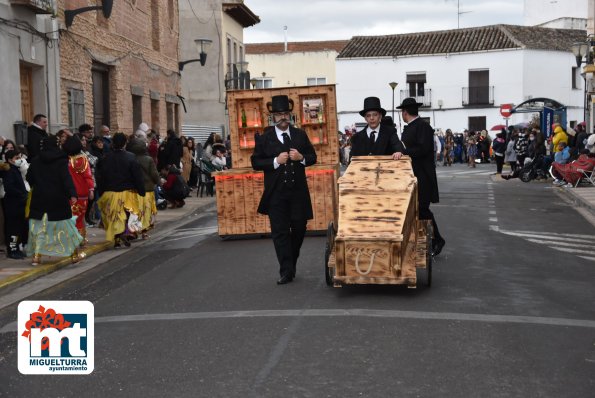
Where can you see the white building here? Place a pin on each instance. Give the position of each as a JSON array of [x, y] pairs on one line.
[[29, 71], [293, 64], [204, 87], [567, 14], [462, 76]]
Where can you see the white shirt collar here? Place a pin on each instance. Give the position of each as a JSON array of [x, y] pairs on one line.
[[370, 129], [280, 132]]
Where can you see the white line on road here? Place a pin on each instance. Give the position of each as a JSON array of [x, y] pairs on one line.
[[553, 244], [355, 312], [548, 235]]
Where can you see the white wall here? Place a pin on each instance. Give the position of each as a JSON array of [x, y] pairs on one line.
[[17, 45], [537, 12], [515, 74]]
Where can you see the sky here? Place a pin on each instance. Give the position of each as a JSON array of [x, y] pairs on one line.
[[317, 20]]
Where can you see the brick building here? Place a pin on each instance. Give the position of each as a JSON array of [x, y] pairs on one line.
[[123, 70]]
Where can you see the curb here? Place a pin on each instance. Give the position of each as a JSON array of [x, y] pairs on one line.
[[45, 269], [48, 268], [578, 200]]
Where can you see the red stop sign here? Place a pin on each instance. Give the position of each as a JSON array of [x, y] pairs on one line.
[[506, 110]]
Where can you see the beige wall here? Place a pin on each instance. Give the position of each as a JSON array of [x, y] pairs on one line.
[[293, 68]]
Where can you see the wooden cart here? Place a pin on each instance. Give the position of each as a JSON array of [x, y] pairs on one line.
[[379, 238]]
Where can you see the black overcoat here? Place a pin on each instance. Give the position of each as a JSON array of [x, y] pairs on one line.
[[387, 142], [267, 148], [418, 139], [34, 137], [51, 186]]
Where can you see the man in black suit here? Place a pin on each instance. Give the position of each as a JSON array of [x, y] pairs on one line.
[[418, 140], [375, 138], [35, 133], [283, 152]]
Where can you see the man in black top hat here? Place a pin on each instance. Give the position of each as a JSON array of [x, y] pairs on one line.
[[283, 152], [418, 140], [376, 138]]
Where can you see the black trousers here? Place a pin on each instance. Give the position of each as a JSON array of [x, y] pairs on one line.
[[499, 163], [15, 223], [287, 228], [426, 214]]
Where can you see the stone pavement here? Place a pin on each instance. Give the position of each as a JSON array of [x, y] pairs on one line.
[[16, 272]]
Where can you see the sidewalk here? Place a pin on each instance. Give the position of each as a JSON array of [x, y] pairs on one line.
[[582, 196], [16, 272]]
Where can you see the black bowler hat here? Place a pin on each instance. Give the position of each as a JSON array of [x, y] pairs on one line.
[[409, 103], [372, 104], [280, 103]]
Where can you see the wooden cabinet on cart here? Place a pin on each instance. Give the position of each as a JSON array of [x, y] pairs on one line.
[[239, 190]]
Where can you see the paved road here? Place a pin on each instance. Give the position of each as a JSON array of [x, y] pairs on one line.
[[510, 313]]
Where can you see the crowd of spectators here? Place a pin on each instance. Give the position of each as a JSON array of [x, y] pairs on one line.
[[57, 186]]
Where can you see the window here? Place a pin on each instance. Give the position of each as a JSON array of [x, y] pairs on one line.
[[315, 81], [137, 110], [575, 75], [416, 84], [479, 87], [76, 108], [264, 83], [477, 123], [155, 31]]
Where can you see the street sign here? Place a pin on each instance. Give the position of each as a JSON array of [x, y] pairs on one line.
[[506, 110]]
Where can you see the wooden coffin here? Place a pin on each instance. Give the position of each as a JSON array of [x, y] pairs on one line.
[[315, 111], [377, 225], [239, 191]]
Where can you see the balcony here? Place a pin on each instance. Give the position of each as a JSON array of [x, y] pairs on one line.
[[478, 96], [37, 6], [423, 96]]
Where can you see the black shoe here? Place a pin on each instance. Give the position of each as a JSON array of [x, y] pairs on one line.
[[14, 255], [284, 280], [437, 247]]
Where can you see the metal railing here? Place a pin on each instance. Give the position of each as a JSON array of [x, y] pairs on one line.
[[425, 97], [478, 95]]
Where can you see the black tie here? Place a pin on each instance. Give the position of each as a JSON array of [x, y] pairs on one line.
[[286, 140], [372, 137]]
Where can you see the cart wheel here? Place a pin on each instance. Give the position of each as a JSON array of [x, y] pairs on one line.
[[330, 242], [527, 175], [425, 274]]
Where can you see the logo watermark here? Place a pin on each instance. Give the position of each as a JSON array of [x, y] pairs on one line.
[[56, 337]]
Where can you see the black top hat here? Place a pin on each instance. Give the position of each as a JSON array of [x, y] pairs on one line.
[[409, 103], [280, 103], [372, 104]]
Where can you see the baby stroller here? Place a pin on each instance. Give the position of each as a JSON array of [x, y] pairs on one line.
[[533, 168], [161, 202]]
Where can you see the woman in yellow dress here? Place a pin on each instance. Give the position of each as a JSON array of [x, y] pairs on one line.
[[119, 181], [147, 204]]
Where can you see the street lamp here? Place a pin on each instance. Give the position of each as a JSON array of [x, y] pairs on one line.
[[393, 85], [581, 50], [253, 82], [202, 45]]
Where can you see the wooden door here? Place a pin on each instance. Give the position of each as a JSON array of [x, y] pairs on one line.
[[101, 109], [26, 93]]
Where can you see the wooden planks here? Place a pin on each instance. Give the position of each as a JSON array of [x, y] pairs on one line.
[[378, 229], [239, 191]]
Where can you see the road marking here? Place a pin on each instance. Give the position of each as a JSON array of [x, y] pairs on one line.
[[568, 243], [331, 313], [492, 212], [492, 219], [188, 233]]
